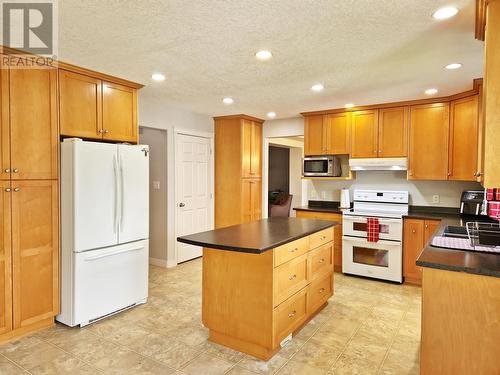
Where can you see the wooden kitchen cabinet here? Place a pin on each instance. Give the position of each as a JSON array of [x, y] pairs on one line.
[[314, 137], [119, 112], [80, 105], [462, 162], [429, 134], [238, 170], [364, 134], [338, 133], [416, 234], [4, 124], [34, 141], [35, 251], [252, 149], [337, 233], [5, 258], [393, 132], [251, 200], [93, 108]]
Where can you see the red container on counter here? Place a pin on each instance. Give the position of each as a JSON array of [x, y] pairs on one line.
[[497, 194], [490, 194], [494, 210]]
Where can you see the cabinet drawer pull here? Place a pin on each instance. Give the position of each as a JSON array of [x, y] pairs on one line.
[[322, 290], [294, 250], [292, 314], [322, 260], [292, 277], [323, 238], [16, 189]]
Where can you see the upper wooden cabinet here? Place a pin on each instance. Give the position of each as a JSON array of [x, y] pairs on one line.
[[29, 133], [429, 133], [252, 149], [462, 163], [364, 142], [97, 109], [314, 135], [337, 133], [80, 105], [393, 132]]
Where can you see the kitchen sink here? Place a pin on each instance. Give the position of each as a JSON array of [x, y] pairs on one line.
[[455, 231]]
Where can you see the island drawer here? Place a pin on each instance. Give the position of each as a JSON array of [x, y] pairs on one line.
[[321, 261], [290, 315], [320, 238], [288, 251], [290, 277], [319, 291]]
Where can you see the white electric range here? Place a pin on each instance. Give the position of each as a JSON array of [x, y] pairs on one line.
[[382, 259]]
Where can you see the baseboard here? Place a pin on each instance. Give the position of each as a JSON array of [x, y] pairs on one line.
[[158, 262], [171, 264]]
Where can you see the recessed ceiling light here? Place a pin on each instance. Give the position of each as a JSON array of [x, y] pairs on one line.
[[431, 91], [228, 100], [453, 66], [349, 105], [264, 55], [271, 114], [317, 87], [444, 13], [158, 77]]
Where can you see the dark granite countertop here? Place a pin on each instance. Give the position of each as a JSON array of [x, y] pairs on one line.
[[474, 262], [321, 206], [257, 236]]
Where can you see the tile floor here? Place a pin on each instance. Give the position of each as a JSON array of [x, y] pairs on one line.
[[369, 327]]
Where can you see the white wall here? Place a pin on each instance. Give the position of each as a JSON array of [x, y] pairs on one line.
[[154, 113], [421, 192]]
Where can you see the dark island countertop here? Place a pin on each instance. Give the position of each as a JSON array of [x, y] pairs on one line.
[[474, 262], [257, 236]]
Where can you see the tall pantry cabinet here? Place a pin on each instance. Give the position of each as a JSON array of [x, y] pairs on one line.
[[29, 234], [238, 170]]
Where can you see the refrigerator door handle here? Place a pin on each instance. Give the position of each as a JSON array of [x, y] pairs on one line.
[[115, 219], [111, 253], [122, 195]]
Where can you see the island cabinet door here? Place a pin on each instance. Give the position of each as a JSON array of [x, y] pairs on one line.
[[338, 133], [364, 134], [413, 243]]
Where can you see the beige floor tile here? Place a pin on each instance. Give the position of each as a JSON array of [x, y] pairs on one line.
[[397, 363], [9, 368], [207, 365], [90, 348], [147, 366], [177, 356], [317, 355], [64, 364], [118, 361], [294, 367], [221, 351], [237, 370], [263, 367]]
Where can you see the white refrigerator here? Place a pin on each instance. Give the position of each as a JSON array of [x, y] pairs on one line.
[[104, 229]]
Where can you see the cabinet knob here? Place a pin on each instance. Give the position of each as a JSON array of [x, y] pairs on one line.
[[7, 190], [426, 226], [322, 290], [16, 189], [106, 131], [292, 277], [322, 260], [15, 170], [100, 131], [477, 174], [7, 170], [292, 313], [414, 231]]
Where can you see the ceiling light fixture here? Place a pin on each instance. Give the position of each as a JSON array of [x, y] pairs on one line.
[[228, 100], [444, 13], [271, 114], [158, 77], [263, 55], [349, 105], [317, 87], [453, 66], [431, 91]]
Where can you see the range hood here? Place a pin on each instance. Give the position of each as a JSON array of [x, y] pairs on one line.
[[378, 164]]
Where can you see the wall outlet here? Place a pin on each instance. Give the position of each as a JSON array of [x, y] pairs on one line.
[[435, 198], [156, 185]]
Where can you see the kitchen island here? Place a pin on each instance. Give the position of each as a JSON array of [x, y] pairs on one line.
[[264, 280]]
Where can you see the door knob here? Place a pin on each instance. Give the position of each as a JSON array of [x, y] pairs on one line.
[[182, 204]]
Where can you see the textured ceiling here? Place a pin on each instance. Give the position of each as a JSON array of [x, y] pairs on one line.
[[364, 51]]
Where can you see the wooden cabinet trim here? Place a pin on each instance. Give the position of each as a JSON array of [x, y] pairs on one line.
[[4, 124]]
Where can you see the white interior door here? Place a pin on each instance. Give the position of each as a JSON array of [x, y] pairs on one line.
[[192, 191], [134, 197], [91, 169]]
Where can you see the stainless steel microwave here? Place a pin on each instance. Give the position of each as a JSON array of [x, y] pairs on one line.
[[321, 166]]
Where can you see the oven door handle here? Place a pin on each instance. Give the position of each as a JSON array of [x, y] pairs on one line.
[[365, 241], [381, 220]]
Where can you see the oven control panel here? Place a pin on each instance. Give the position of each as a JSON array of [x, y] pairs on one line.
[[383, 196]]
